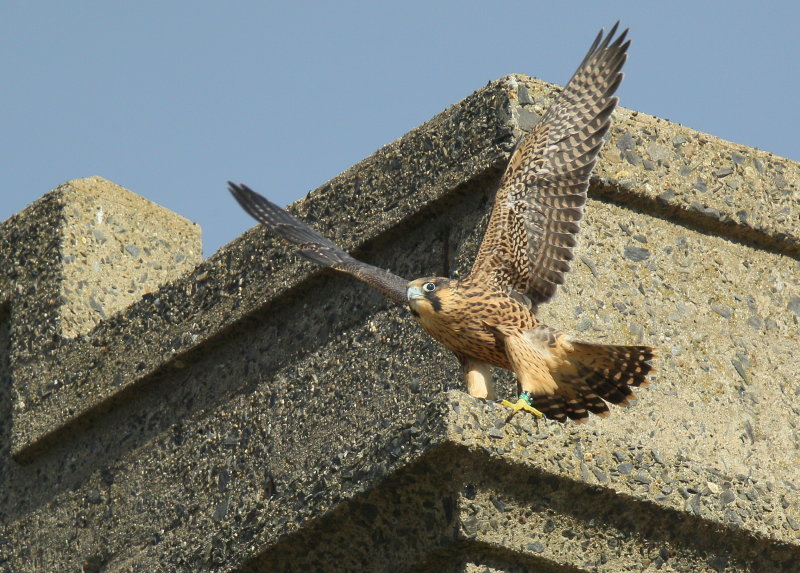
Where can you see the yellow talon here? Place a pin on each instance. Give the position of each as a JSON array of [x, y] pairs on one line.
[[522, 404]]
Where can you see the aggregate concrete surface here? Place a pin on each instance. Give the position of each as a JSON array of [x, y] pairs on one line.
[[254, 413]]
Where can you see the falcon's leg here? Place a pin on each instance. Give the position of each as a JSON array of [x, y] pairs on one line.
[[532, 373], [478, 377]]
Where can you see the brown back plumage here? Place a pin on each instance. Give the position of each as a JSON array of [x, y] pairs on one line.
[[531, 232]]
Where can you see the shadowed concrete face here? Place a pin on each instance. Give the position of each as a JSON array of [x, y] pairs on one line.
[[255, 414]]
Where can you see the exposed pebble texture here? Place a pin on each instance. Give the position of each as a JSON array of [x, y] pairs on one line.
[[259, 415], [73, 259]]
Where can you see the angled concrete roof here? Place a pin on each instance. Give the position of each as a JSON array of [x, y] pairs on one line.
[[251, 412]]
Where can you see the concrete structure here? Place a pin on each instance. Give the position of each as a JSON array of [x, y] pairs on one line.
[[252, 413]]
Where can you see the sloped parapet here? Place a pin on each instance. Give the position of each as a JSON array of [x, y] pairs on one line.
[[72, 260]]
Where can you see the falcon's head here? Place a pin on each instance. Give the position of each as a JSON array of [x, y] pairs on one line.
[[426, 295]]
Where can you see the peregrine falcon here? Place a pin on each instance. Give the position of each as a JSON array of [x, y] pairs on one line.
[[487, 318]]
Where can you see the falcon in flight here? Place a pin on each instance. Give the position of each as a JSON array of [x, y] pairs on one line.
[[487, 319]]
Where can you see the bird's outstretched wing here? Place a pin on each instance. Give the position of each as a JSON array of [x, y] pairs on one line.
[[314, 246], [531, 232]]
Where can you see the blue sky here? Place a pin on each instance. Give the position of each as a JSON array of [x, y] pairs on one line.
[[172, 99]]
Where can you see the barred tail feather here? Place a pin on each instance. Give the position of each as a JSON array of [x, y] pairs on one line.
[[592, 375], [561, 408], [610, 371]]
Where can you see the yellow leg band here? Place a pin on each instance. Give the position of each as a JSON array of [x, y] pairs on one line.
[[522, 404]]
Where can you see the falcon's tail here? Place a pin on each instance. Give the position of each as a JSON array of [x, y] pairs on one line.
[[611, 370], [596, 374]]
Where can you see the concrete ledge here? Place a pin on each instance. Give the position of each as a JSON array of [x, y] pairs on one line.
[[241, 414], [459, 485], [509, 495]]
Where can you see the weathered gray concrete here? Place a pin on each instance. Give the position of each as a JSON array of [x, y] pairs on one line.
[[256, 414]]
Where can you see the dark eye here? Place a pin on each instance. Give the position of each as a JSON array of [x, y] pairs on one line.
[[429, 287]]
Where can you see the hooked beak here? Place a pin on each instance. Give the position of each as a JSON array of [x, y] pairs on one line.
[[414, 292]]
